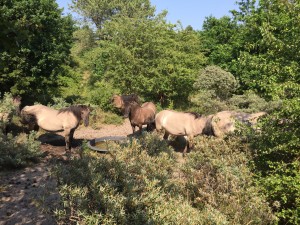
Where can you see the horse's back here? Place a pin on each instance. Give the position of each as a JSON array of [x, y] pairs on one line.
[[144, 114], [149, 105], [47, 118], [175, 123]]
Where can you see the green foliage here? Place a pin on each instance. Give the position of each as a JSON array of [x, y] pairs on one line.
[[58, 103], [221, 41], [212, 89], [147, 57], [35, 41], [7, 110], [140, 182], [277, 161], [220, 83], [6, 103], [100, 11], [101, 94], [98, 117], [70, 83], [19, 151], [84, 40], [250, 102]]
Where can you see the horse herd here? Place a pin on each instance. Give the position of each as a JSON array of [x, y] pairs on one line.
[[187, 124]]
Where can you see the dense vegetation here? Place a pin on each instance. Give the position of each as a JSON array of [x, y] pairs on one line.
[[249, 61]]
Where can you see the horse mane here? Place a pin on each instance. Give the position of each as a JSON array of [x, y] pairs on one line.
[[196, 115], [75, 109]]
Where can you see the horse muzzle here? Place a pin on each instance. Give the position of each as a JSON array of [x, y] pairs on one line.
[[86, 122]]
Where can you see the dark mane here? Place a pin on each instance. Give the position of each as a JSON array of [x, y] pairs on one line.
[[75, 109], [196, 115]]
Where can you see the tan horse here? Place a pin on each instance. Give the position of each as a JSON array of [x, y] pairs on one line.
[[66, 119], [224, 122], [7, 115], [140, 115], [119, 101], [184, 124]]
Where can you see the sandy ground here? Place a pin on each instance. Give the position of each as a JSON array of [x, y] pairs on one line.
[[29, 196]]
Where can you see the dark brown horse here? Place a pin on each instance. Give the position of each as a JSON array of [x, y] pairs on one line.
[[66, 119], [140, 115]]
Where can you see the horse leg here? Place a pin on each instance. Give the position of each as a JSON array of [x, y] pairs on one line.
[[140, 129], [71, 139], [133, 128], [67, 140], [150, 126], [189, 144], [166, 135]]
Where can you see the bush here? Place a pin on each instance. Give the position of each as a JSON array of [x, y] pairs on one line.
[[98, 117], [220, 83], [276, 161], [219, 179], [250, 102], [140, 182], [19, 151], [101, 95]]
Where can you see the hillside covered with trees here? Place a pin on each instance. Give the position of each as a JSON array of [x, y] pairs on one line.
[[247, 62]]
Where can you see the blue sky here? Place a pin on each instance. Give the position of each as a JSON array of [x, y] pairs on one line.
[[188, 12]]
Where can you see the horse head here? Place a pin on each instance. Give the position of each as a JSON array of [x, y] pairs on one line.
[[128, 106], [85, 114]]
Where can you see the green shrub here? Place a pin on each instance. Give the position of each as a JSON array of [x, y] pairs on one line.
[[98, 117], [218, 178], [220, 83], [205, 103], [58, 103], [141, 182], [276, 161], [100, 94], [250, 102], [6, 103], [19, 151]]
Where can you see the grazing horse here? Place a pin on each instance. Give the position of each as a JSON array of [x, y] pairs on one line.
[[184, 124], [7, 115], [119, 101], [224, 122], [66, 119], [140, 115]]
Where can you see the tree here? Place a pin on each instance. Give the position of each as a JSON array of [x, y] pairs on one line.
[[100, 11], [148, 57], [221, 41], [269, 65], [34, 42]]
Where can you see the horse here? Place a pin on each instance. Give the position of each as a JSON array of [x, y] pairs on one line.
[[224, 122], [187, 124], [7, 115], [65, 119], [140, 115], [119, 101]]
